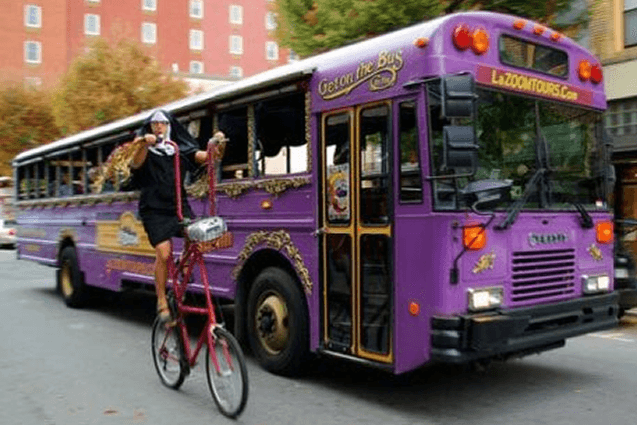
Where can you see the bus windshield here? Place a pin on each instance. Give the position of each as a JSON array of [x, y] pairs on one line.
[[517, 136]]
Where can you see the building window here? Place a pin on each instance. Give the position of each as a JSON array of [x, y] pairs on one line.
[[196, 40], [236, 44], [93, 1], [196, 9], [630, 23], [32, 52], [236, 72], [293, 56], [270, 21], [196, 67], [621, 117], [175, 67], [271, 50], [149, 33], [236, 14], [91, 24], [32, 16], [150, 5], [32, 82]]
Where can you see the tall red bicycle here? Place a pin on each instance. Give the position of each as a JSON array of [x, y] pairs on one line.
[[172, 353]]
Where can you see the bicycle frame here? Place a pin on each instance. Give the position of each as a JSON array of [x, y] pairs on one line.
[[194, 257]]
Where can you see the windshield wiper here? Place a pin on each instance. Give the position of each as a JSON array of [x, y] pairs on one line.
[[515, 208], [587, 221]]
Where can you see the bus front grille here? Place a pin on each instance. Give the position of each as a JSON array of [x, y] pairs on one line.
[[542, 276]]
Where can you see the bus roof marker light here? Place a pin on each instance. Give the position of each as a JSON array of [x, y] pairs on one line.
[[556, 36], [462, 37], [421, 42], [596, 74], [538, 29], [519, 24], [584, 70], [480, 41], [604, 231]]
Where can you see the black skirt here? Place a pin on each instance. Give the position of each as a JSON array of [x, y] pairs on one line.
[[160, 227]]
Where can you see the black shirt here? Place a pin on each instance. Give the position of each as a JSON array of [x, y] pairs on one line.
[[156, 180]]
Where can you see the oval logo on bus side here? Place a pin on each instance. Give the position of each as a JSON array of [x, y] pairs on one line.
[[547, 238]]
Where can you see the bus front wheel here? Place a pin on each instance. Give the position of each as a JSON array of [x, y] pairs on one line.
[[70, 282], [277, 322]]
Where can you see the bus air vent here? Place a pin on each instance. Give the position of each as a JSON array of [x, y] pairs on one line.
[[542, 276]]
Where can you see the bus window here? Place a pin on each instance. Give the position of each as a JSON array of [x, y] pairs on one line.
[[410, 174], [40, 175], [337, 140], [23, 182], [234, 124], [374, 140], [524, 54], [280, 128], [92, 164]]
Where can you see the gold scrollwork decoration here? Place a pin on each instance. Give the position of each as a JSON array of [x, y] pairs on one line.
[[485, 262], [279, 240], [252, 138], [278, 186], [233, 190], [308, 130], [595, 252]]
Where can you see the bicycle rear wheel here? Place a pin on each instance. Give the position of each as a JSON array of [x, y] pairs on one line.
[[168, 354], [229, 387]]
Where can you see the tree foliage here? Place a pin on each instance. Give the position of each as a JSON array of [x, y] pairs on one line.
[[26, 121], [312, 26], [111, 81]]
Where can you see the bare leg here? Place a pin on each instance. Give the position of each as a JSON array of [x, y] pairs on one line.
[[162, 254]]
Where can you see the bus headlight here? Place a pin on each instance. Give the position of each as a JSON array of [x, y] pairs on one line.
[[593, 284], [485, 298]]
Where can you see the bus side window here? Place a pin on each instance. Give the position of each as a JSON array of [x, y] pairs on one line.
[[111, 184], [281, 145], [410, 168], [41, 179], [92, 168], [235, 163]]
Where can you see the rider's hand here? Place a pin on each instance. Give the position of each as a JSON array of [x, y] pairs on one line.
[[150, 139], [218, 137]]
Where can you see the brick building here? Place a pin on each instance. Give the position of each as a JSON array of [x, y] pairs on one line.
[[210, 40], [613, 38]]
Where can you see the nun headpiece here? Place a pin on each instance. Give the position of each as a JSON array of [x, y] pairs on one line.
[[175, 132]]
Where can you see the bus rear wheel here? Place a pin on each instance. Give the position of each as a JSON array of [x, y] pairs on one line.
[[70, 282], [278, 322]]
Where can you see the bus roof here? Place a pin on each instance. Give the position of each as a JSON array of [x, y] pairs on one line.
[[280, 75]]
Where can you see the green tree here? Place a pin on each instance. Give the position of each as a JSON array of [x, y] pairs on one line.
[[26, 121], [312, 26], [111, 81]]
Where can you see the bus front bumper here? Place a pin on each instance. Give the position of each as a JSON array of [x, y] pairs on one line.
[[519, 332]]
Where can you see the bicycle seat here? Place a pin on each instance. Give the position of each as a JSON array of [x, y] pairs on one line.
[[206, 229]]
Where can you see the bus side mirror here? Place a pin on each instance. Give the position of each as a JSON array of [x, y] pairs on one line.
[[458, 95], [460, 149]]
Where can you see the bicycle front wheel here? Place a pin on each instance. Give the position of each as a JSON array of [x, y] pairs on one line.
[[168, 354], [228, 385]]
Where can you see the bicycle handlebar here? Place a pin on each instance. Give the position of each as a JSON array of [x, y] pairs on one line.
[[215, 149]]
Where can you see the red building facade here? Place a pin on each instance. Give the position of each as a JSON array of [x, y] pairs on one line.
[[212, 39]]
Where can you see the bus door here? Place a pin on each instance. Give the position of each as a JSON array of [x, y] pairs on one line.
[[357, 232]]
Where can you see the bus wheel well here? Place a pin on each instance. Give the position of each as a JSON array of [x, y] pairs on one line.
[[254, 265], [63, 244]]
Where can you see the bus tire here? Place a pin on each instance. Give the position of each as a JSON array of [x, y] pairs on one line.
[[278, 322], [69, 280]]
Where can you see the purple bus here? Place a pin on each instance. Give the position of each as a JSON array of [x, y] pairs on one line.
[[433, 194]]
